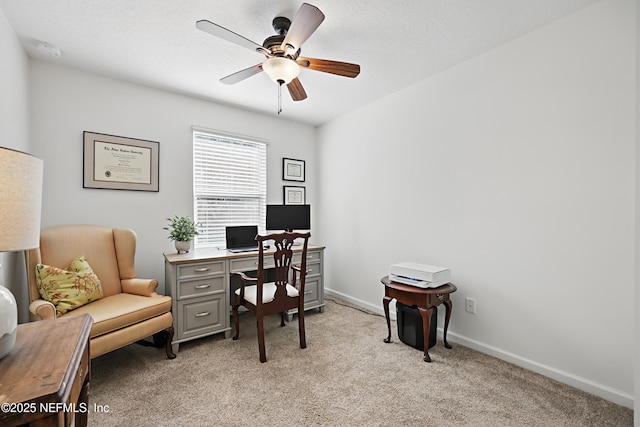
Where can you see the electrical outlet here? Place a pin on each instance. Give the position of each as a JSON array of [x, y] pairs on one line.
[[470, 305]]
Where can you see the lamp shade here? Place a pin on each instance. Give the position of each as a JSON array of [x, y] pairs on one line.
[[281, 69], [20, 200], [20, 206]]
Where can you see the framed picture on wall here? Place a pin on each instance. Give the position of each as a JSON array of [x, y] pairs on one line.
[[120, 163], [293, 170], [294, 195]]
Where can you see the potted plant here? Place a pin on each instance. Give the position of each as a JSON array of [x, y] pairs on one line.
[[181, 231]]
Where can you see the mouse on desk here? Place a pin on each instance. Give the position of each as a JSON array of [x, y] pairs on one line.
[[266, 246]]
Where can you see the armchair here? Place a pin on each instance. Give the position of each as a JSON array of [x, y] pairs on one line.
[[130, 308], [274, 297]]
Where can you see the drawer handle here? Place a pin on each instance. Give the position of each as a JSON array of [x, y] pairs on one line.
[[201, 269], [309, 256], [440, 296], [308, 292], [202, 286], [203, 314]]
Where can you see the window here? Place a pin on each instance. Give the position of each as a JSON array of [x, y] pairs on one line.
[[229, 185]]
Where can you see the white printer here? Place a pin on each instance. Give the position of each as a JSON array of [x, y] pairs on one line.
[[420, 275]]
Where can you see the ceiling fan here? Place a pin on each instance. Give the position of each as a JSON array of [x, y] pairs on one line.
[[283, 51]]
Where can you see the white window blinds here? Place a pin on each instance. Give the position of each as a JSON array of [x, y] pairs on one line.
[[229, 185]]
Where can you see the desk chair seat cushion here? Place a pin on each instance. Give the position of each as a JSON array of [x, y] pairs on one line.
[[268, 292]]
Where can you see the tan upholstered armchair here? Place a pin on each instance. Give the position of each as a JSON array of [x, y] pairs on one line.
[[129, 310]]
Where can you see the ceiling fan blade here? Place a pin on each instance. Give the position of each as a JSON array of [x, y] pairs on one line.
[[307, 20], [218, 31], [241, 75], [296, 90], [345, 69]]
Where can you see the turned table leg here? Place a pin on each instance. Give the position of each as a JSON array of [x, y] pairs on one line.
[[448, 307], [426, 326], [385, 304]]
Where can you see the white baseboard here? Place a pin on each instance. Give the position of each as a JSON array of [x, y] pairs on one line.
[[600, 390], [616, 396], [362, 304]]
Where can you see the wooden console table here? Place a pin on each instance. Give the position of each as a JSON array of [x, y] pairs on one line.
[[44, 380], [426, 299]]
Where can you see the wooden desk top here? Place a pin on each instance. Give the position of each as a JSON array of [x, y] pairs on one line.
[[213, 254], [42, 366]]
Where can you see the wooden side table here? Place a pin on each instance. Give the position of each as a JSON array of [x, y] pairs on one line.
[[44, 380], [426, 299]]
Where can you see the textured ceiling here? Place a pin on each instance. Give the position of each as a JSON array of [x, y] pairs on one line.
[[156, 43]]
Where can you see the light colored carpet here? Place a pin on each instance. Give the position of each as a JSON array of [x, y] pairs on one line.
[[346, 376]]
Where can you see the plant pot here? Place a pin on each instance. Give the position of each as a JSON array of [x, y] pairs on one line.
[[183, 247]]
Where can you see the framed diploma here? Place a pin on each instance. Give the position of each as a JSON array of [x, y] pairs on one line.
[[119, 163], [292, 170], [294, 195]]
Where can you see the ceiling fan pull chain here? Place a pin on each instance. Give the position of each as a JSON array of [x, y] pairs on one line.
[[280, 96]]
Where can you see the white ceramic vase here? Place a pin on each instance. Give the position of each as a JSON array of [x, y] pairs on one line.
[[8, 321], [183, 247]]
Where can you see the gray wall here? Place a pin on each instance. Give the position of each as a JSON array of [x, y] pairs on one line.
[[515, 169]]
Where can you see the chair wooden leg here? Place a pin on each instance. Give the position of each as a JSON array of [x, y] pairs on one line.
[[282, 319], [263, 353], [236, 321], [167, 344], [303, 338]]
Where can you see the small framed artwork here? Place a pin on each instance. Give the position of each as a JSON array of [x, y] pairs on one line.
[[294, 195], [120, 163], [293, 170]]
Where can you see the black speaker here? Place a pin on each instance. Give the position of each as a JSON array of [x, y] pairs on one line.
[[410, 329]]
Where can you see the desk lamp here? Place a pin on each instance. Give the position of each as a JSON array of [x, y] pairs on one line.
[[20, 205]]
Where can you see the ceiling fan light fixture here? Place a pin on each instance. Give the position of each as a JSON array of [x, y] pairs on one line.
[[281, 69]]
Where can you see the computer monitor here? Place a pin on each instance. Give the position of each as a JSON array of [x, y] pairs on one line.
[[288, 217]]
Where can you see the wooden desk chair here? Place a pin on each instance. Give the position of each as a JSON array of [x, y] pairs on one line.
[[276, 297]]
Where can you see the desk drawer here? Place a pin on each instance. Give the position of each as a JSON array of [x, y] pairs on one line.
[[198, 287], [311, 288], [201, 269], [201, 316], [251, 264], [297, 258], [313, 269], [312, 256]]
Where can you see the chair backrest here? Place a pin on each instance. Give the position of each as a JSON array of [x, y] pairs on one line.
[[109, 251], [282, 256]]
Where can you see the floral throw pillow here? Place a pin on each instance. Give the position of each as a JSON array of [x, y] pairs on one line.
[[70, 288]]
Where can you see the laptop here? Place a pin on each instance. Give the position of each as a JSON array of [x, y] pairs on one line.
[[242, 238]]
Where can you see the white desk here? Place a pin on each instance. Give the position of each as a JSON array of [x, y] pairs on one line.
[[200, 286]]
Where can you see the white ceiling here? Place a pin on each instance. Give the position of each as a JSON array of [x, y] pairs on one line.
[[156, 43]]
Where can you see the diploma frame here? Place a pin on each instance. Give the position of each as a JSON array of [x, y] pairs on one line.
[[294, 195], [293, 170], [119, 163]]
